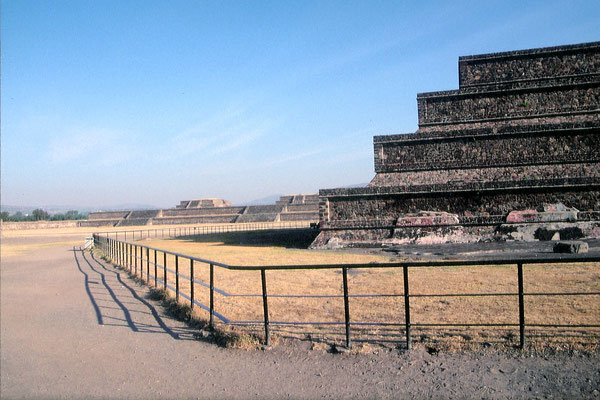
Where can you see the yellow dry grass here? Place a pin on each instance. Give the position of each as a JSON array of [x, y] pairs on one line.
[[244, 302], [88, 231]]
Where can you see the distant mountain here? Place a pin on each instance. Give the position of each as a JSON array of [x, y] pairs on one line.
[[264, 201], [126, 206], [273, 198]]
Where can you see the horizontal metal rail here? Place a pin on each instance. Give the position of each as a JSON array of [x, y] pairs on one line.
[[155, 233], [135, 255]]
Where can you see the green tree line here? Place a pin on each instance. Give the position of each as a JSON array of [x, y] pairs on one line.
[[41, 215]]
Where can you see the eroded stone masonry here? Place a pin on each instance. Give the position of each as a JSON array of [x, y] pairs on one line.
[[513, 154]]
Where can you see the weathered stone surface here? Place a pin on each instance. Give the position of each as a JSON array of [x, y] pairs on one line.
[[545, 213], [365, 205], [437, 235], [547, 231], [522, 130], [515, 149], [524, 66], [454, 106], [430, 218], [457, 177], [572, 247]]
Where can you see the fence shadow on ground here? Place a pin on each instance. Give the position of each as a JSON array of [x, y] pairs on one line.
[[117, 303]]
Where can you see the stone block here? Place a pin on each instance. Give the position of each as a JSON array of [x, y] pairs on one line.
[[545, 213], [571, 247], [430, 218]]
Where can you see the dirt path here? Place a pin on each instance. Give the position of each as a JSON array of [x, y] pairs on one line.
[[74, 327]]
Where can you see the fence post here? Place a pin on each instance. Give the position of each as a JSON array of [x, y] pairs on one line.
[[191, 285], [147, 265], [212, 293], [135, 258], [165, 270], [521, 307], [176, 278], [142, 263], [406, 307], [265, 307], [346, 307], [155, 270]]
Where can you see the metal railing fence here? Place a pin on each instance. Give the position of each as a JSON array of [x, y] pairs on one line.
[[170, 232], [136, 256]]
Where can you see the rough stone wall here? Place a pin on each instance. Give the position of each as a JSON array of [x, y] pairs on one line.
[[454, 106], [356, 210], [536, 64], [468, 175], [484, 151]]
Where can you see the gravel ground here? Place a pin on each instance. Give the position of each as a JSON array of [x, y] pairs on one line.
[[74, 327]]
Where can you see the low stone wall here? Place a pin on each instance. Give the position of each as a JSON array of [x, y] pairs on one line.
[[10, 226], [258, 217], [214, 219], [134, 222], [202, 211], [108, 214], [96, 223]]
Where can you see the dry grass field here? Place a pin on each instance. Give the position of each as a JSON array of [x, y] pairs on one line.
[[384, 304], [243, 302]]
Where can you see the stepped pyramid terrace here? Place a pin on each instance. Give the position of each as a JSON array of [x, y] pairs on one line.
[[513, 154], [289, 208]]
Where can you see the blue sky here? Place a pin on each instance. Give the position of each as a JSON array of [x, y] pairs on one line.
[[109, 102]]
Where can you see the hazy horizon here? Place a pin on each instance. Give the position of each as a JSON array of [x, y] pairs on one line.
[[144, 102]]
